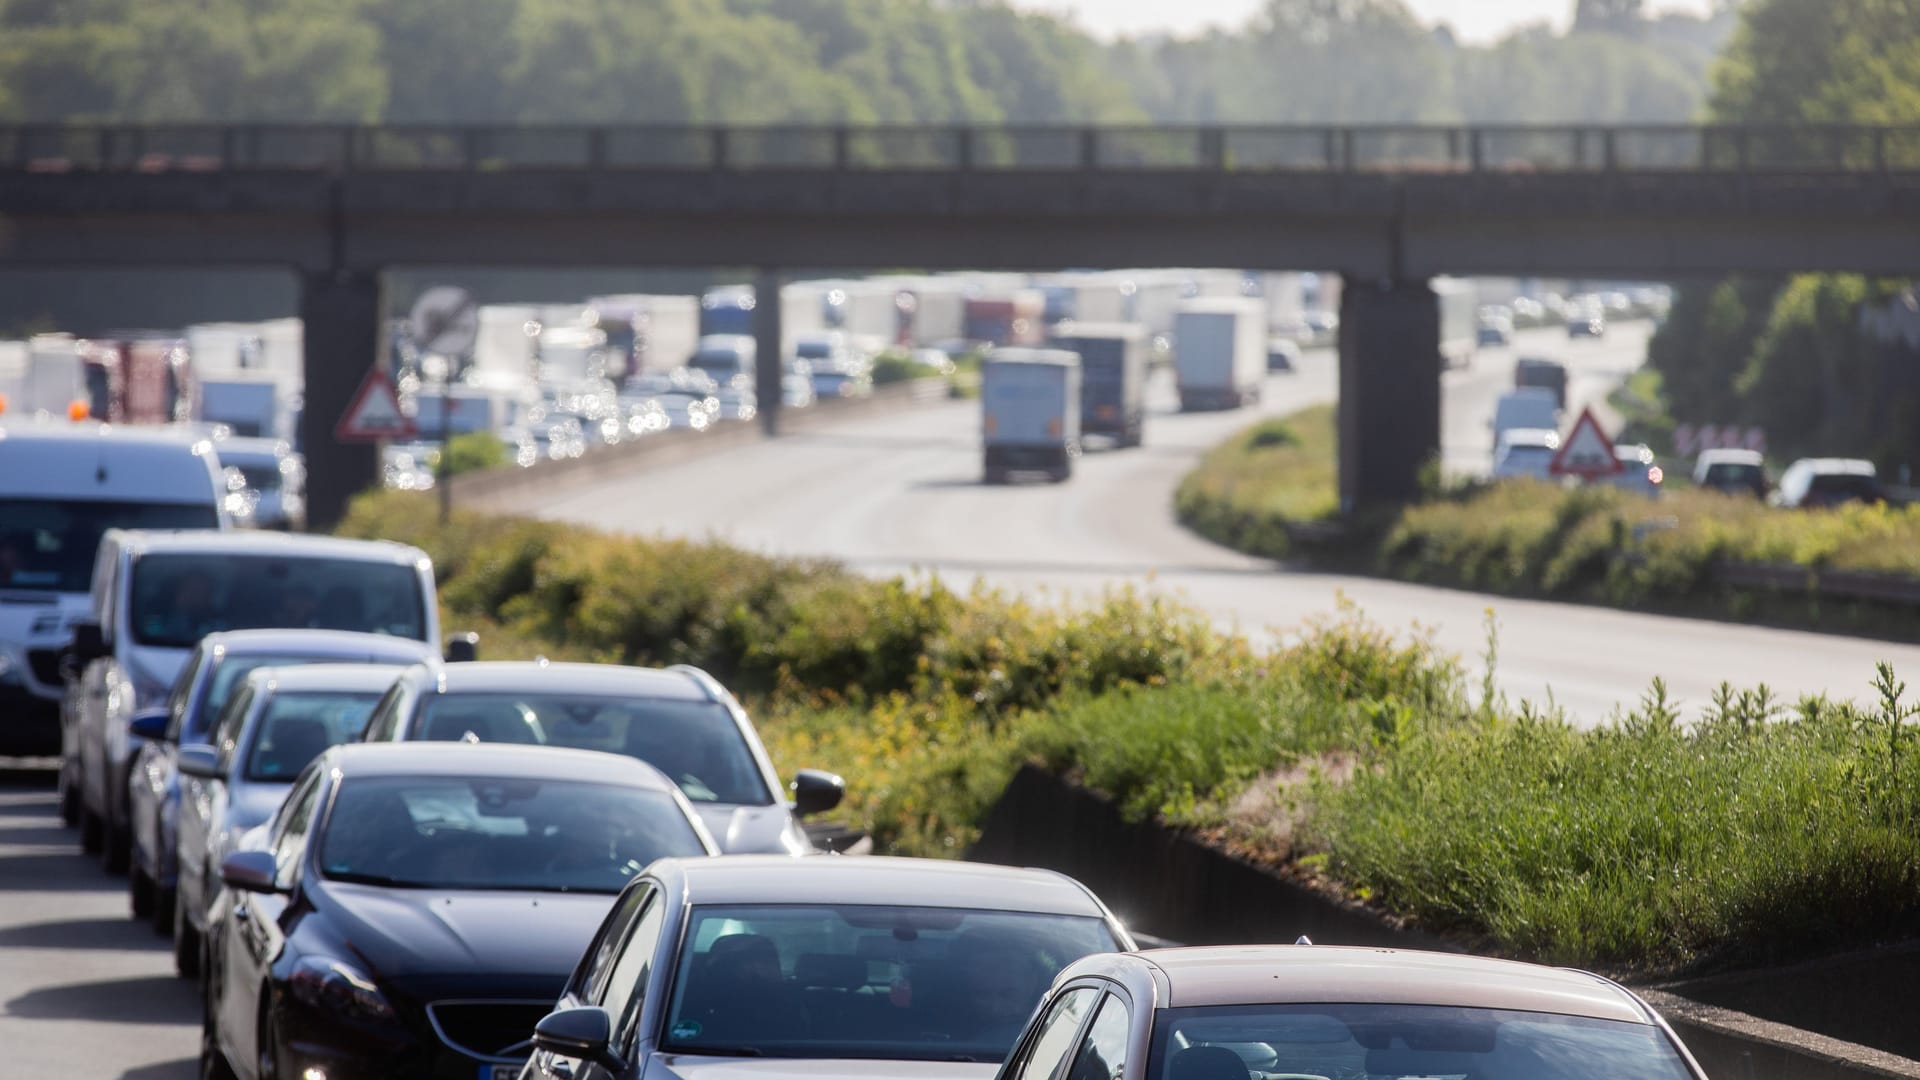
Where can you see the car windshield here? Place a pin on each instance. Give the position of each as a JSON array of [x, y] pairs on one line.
[[1426, 1041], [436, 832], [179, 599], [228, 673], [1840, 487], [48, 545], [696, 743], [296, 727], [832, 981], [1732, 475]]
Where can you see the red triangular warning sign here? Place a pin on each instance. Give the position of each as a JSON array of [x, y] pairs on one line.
[[375, 413], [1586, 451]]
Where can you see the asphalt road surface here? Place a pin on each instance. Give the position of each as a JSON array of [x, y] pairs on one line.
[[85, 992], [902, 493]]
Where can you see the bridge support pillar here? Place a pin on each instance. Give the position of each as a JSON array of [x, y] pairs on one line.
[[1389, 390], [770, 363], [342, 316]]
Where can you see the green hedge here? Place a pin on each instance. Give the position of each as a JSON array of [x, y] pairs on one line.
[[1368, 758], [1254, 491]]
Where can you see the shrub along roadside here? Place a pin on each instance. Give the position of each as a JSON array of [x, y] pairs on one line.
[[1259, 491], [1640, 847]]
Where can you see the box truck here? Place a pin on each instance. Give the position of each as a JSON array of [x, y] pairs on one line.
[[1030, 413], [1219, 352], [1113, 377]]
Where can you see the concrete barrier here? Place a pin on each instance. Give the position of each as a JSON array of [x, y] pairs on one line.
[[1172, 883], [498, 489]]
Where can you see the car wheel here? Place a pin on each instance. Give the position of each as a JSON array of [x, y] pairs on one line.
[[164, 902], [90, 829], [140, 893], [188, 949], [269, 1044], [213, 1063], [116, 848]]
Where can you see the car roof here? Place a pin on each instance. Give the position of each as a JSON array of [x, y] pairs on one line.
[[512, 676], [342, 678], [245, 447], [101, 461], [251, 542], [319, 643], [878, 880], [1281, 974], [86, 432], [518, 761], [1532, 437], [1836, 466]]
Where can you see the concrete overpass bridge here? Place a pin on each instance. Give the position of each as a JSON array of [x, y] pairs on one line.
[[1387, 206]]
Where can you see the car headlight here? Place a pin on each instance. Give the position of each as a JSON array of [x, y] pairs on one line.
[[337, 988]]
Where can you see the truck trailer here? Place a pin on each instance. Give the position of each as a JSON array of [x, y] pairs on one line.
[[1030, 413], [1113, 377], [1219, 352]]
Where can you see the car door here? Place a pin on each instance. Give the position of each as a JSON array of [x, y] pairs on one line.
[[1106, 1047], [203, 803], [254, 930], [587, 986]]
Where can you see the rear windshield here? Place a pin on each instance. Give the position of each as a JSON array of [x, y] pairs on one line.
[[1426, 1041], [179, 598], [1842, 486], [48, 545], [696, 743], [1733, 475]]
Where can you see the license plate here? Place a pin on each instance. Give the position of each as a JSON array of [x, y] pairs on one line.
[[500, 1072]]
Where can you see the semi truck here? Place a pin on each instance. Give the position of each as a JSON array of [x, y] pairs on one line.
[[1017, 318], [1113, 377], [1030, 413], [1219, 352]]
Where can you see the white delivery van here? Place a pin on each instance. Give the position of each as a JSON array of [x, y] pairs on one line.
[[1220, 352], [1030, 412], [62, 486]]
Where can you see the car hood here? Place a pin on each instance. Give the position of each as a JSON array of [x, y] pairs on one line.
[[692, 1067], [411, 932], [753, 830]]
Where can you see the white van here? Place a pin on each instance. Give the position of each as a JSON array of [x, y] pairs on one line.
[[1533, 407], [156, 594], [62, 486]]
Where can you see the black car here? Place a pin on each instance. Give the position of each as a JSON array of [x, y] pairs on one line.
[[414, 910]]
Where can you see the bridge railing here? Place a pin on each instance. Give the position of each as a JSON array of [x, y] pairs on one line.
[[1304, 149]]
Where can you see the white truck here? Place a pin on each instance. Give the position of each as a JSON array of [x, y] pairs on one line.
[[250, 404], [1219, 352], [1030, 413]]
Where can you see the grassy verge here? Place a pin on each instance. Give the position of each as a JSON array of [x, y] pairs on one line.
[[1641, 846], [1265, 489], [1255, 491]]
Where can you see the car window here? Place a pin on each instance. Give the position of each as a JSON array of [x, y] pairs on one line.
[[292, 827], [297, 726], [1103, 1053], [386, 716], [226, 730], [178, 598], [626, 987], [1054, 1038], [590, 982]]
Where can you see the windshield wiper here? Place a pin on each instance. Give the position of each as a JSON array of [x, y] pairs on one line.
[[719, 1051]]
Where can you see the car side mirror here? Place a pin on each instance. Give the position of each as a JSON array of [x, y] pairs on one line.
[[200, 761], [149, 724], [88, 644], [581, 1033], [250, 871], [463, 648], [816, 791]]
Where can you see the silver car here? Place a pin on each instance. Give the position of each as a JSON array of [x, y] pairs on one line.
[[275, 722], [679, 720], [1307, 1010], [870, 969]]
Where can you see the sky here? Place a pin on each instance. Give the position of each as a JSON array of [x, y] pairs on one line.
[[1476, 21]]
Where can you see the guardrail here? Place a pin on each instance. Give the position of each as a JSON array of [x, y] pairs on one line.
[[1890, 589], [1311, 149]]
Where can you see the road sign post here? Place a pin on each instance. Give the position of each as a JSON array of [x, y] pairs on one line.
[[1586, 452], [446, 322]]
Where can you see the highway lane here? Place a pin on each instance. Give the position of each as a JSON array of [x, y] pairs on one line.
[[901, 493], [85, 991]]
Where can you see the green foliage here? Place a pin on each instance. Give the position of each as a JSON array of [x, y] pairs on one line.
[[475, 451], [896, 367], [1251, 492], [1646, 844]]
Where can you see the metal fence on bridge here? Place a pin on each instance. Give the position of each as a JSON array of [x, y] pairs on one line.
[[1297, 149]]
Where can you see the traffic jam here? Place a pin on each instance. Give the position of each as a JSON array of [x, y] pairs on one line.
[[377, 854]]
